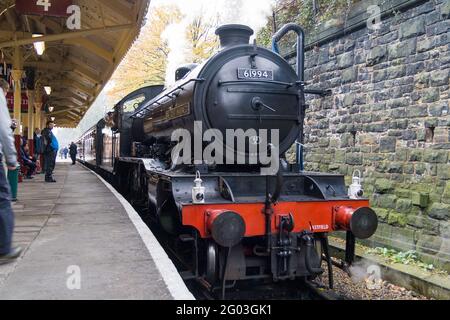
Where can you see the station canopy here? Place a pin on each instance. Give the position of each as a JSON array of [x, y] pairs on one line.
[[78, 59]]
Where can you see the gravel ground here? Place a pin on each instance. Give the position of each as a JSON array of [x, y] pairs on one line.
[[362, 286]]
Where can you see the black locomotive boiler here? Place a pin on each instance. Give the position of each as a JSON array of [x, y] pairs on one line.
[[230, 222]]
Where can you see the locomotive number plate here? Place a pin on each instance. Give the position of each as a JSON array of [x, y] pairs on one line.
[[255, 74]]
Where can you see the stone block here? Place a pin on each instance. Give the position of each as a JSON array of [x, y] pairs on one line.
[[424, 45], [339, 156], [345, 60], [401, 154], [354, 159], [367, 139], [446, 194], [431, 226], [430, 95], [376, 55], [408, 169], [397, 219], [444, 229], [443, 171], [412, 28], [445, 9], [395, 167], [387, 201], [402, 49], [420, 199], [438, 109], [347, 140], [420, 168], [428, 244], [383, 185], [409, 135], [439, 77], [439, 211], [403, 193], [349, 100], [382, 214], [417, 111], [435, 156], [398, 103], [404, 205], [396, 72], [349, 75], [415, 155], [422, 80], [431, 123], [388, 144], [415, 221]]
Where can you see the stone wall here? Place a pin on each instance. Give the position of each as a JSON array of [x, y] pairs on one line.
[[389, 117]]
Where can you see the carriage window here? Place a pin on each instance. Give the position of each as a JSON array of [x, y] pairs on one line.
[[134, 103]]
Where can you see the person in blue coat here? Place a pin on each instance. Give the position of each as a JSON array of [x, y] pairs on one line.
[[51, 147]]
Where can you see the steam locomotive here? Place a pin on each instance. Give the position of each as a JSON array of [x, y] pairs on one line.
[[228, 220]]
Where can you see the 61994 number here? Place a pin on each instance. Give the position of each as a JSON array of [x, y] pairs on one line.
[[245, 73]]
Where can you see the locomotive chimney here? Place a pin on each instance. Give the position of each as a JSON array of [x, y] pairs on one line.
[[233, 35]]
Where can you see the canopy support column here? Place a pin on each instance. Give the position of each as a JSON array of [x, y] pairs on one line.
[[30, 133]]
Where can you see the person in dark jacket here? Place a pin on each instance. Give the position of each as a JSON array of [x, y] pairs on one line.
[[73, 152], [27, 160], [51, 147], [37, 142]]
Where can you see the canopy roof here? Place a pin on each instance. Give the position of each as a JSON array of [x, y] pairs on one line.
[[76, 63]]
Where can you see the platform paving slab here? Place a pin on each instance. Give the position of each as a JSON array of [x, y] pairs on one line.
[[78, 224]]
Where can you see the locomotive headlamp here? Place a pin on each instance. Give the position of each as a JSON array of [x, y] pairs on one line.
[[362, 222], [198, 191], [227, 228]]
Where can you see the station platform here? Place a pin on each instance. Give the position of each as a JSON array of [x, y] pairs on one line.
[[82, 240]]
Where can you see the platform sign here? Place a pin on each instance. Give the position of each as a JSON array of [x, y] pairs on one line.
[[54, 8], [10, 101]]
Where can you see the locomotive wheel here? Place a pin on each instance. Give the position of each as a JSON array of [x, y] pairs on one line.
[[212, 262]]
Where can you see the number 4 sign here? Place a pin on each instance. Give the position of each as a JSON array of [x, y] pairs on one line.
[[54, 8], [44, 3]]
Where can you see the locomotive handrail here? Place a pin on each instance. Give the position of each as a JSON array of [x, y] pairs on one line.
[[287, 84], [170, 95], [300, 45]]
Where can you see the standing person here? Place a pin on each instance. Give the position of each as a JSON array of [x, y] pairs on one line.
[[37, 142], [73, 152], [65, 151], [8, 152], [51, 147], [38, 148]]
